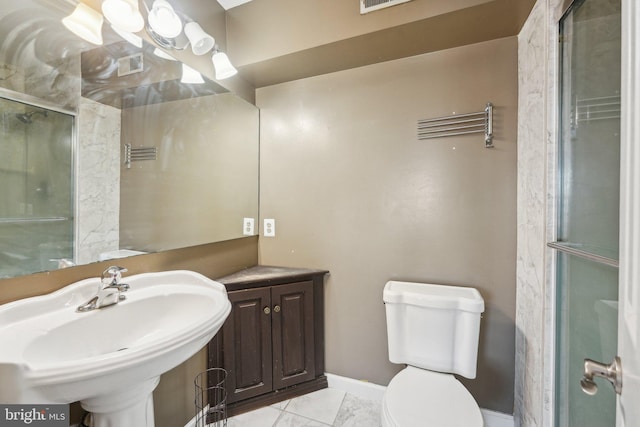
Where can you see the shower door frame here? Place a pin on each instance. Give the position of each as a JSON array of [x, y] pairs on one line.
[[629, 238], [629, 271], [34, 101]]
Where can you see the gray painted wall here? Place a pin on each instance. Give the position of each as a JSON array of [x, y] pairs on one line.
[[352, 190]]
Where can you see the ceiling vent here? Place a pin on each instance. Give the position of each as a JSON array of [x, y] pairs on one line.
[[367, 6], [130, 64]]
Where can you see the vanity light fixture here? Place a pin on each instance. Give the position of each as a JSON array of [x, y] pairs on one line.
[[224, 68], [201, 42], [164, 25], [163, 20], [189, 75], [123, 14], [86, 23]]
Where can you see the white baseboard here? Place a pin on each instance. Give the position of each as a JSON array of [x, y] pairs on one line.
[[359, 388], [371, 391]]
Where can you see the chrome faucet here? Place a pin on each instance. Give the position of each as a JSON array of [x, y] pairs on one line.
[[109, 291]]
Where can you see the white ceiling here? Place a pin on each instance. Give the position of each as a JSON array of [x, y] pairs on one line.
[[228, 4]]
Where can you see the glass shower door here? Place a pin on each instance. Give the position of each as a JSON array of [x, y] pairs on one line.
[[588, 210], [36, 188]]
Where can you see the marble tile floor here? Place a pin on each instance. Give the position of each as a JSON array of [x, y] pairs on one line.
[[322, 408]]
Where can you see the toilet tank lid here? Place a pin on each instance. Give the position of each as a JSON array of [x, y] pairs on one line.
[[435, 296]]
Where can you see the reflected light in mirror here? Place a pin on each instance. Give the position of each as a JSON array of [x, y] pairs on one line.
[[130, 37], [86, 23], [123, 14], [162, 54], [223, 66], [189, 75], [163, 19]]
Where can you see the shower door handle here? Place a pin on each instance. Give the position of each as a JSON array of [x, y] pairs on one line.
[[612, 373]]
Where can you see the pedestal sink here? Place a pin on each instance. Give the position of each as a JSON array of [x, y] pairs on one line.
[[110, 359]]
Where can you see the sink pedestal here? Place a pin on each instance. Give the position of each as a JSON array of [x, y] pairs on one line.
[[128, 407]]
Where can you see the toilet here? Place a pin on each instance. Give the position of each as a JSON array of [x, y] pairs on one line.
[[434, 330]]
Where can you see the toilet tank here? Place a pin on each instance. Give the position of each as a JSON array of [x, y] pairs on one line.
[[433, 327]]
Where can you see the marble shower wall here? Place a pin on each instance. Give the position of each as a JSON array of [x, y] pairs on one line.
[[98, 182], [531, 217], [537, 129], [57, 82]]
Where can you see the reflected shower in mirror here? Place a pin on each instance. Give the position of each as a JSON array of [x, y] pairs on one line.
[[36, 181], [151, 163]]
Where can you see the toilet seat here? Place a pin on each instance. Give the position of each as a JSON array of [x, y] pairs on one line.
[[421, 398]]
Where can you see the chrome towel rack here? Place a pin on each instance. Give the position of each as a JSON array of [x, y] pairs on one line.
[[139, 153], [459, 124], [601, 108]]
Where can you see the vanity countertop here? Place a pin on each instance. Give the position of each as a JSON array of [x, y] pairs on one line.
[[267, 274]]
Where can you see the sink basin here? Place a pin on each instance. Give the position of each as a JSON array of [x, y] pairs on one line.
[[110, 359]]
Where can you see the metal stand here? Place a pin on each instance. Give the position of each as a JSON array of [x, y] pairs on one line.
[[211, 398]]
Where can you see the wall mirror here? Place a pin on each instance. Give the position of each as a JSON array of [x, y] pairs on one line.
[[107, 151]]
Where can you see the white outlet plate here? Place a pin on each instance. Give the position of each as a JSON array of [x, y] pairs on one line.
[[269, 227], [248, 227]]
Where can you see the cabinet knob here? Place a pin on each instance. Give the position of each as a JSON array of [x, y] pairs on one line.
[[276, 309], [267, 310]]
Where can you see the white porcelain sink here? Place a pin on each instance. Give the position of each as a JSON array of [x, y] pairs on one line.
[[110, 359]]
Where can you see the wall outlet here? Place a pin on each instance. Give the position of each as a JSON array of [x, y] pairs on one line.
[[248, 227], [269, 227]]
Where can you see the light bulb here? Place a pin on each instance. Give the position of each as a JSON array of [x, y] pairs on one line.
[[224, 68], [201, 42], [163, 20], [123, 14], [85, 23]]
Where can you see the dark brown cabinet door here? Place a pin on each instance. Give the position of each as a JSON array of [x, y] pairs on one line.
[[293, 334], [272, 344], [247, 344]]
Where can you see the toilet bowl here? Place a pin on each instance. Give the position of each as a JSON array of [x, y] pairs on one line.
[[421, 398], [434, 330]]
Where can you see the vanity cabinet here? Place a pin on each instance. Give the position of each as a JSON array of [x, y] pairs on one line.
[[272, 343]]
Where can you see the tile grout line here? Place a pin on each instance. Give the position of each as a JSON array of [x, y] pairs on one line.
[[339, 407], [275, 423], [282, 412], [309, 418]]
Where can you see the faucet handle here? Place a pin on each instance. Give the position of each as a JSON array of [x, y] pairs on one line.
[[123, 287], [112, 275]]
